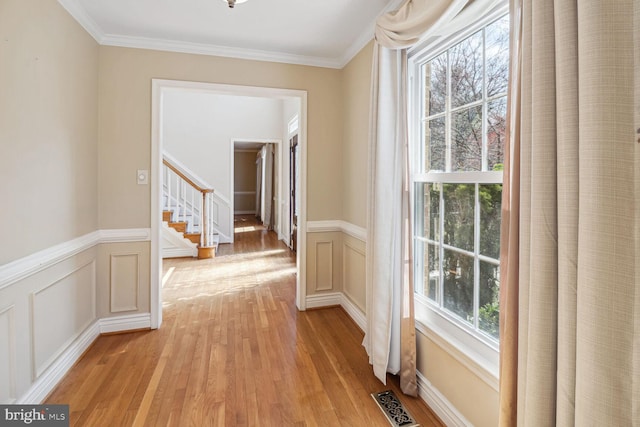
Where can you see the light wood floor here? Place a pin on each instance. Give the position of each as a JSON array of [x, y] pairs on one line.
[[232, 351]]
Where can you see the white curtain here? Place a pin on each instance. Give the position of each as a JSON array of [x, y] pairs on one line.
[[268, 186], [390, 334], [259, 184]]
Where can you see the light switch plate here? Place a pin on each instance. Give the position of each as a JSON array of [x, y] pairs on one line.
[[143, 176]]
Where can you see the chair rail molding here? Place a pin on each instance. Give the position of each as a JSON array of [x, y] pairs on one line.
[[352, 230], [21, 268]]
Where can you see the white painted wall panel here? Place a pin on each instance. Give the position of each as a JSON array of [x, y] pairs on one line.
[[354, 271], [60, 311], [124, 282], [7, 356], [324, 266]]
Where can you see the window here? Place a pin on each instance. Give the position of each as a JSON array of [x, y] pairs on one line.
[[460, 102]]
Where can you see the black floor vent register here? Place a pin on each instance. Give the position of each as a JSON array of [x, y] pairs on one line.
[[393, 409]]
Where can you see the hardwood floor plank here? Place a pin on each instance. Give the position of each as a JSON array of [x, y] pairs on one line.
[[233, 351]]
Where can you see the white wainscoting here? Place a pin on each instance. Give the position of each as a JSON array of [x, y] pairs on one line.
[[60, 312], [48, 314], [323, 266], [7, 354], [222, 217], [123, 284]]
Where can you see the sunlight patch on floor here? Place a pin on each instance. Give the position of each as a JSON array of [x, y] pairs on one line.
[[245, 229], [167, 275]]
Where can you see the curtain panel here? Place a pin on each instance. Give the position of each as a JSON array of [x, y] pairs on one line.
[[570, 302], [390, 335]]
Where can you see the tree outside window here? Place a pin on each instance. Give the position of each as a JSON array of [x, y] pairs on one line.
[[459, 189]]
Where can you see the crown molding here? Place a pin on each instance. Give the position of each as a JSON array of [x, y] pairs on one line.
[[82, 17], [214, 50], [366, 36]]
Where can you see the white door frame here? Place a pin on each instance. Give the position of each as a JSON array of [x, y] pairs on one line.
[[158, 88]]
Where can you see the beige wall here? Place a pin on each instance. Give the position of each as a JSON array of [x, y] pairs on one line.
[[356, 87], [471, 396], [244, 181], [48, 127], [57, 276], [125, 123]]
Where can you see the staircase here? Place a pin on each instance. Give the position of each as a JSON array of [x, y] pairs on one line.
[[187, 205]]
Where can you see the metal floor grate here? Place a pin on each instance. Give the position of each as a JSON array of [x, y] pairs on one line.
[[393, 409]]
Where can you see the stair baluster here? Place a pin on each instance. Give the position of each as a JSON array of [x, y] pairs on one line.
[[183, 198]]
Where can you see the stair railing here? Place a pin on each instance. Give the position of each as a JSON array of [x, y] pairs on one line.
[[189, 202]]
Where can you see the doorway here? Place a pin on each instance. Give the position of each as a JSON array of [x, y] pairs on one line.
[[160, 88], [257, 176], [294, 159]]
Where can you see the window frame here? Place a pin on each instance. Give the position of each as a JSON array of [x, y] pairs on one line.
[[476, 350]]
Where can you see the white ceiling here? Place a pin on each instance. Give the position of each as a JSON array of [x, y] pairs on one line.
[[312, 32]]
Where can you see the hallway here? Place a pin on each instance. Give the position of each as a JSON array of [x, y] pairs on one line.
[[232, 351]]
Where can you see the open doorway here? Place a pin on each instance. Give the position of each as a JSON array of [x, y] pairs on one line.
[[258, 179], [160, 91]]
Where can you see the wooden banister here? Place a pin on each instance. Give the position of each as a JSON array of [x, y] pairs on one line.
[[185, 178]]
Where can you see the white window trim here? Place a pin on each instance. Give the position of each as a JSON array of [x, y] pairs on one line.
[[482, 357]]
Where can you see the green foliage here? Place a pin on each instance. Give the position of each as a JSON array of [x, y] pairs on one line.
[[489, 318]]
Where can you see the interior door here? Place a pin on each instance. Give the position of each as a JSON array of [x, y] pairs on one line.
[[293, 184]]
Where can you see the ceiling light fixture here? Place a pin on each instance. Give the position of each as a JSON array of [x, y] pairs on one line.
[[232, 3]]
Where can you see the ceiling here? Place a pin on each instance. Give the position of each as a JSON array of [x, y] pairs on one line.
[[324, 33]]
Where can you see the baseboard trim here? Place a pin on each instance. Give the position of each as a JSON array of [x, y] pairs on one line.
[[354, 312], [125, 323], [439, 404], [179, 253], [46, 382], [324, 300], [338, 299]]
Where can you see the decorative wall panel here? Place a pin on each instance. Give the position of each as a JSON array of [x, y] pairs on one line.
[[60, 312], [124, 282], [354, 271], [7, 356], [324, 266]]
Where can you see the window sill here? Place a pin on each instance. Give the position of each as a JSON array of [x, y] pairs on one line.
[[475, 354]]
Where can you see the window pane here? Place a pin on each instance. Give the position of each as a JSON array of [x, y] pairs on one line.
[[435, 145], [458, 284], [496, 131], [497, 37], [490, 197], [489, 312], [466, 144], [435, 81], [432, 271], [458, 215], [431, 211], [466, 71]]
